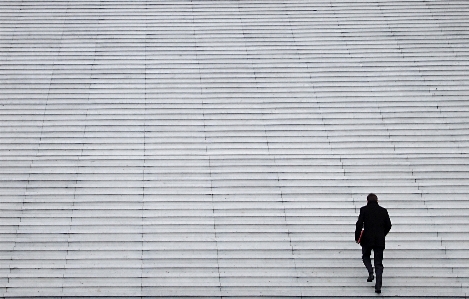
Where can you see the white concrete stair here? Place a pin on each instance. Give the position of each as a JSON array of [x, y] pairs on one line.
[[224, 148]]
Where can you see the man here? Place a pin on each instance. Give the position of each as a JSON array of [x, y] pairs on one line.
[[375, 222]]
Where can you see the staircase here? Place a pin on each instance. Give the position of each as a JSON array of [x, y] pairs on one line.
[[224, 148]]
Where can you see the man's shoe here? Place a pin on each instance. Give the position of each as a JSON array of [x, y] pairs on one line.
[[370, 278], [379, 283]]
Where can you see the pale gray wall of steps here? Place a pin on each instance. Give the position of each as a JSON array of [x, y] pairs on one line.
[[223, 148]]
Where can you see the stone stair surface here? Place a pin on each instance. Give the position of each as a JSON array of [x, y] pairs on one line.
[[223, 148]]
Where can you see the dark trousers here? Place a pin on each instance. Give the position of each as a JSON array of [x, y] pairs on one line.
[[378, 257]]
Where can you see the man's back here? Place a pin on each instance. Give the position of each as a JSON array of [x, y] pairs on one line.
[[376, 223]]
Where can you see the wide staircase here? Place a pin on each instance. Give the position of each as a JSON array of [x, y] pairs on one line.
[[223, 148]]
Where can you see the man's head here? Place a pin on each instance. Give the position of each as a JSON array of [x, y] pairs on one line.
[[372, 198]]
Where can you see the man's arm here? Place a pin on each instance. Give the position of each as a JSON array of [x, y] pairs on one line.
[[388, 224], [359, 226]]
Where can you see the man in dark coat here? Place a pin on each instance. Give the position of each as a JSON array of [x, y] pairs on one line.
[[375, 222]]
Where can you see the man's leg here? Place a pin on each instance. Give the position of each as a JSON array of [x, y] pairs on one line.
[[366, 257], [378, 256]]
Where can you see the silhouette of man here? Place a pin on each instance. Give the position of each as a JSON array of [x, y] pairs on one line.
[[375, 222]]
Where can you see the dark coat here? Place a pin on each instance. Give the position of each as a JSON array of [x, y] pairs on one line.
[[375, 221]]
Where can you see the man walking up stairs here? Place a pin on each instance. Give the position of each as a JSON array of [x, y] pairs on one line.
[[372, 226]]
